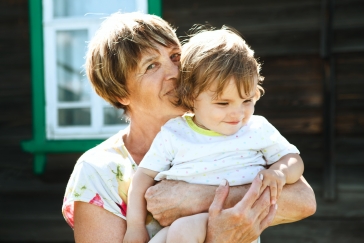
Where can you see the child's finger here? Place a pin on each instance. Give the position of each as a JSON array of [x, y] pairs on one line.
[[279, 189], [265, 183], [261, 177], [273, 192]]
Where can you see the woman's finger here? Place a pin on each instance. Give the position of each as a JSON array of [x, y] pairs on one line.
[[261, 215], [279, 189], [220, 196], [252, 194], [262, 202], [269, 218]]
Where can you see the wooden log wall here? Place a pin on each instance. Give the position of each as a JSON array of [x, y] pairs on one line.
[[15, 89]]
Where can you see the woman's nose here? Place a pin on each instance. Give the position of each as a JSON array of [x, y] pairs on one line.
[[172, 70]]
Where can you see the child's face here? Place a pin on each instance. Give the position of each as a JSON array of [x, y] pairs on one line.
[[225, 114]]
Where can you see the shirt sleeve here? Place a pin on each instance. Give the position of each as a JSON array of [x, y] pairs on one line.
[[102, 177], [98, 179], [161, 153], [275, 146]]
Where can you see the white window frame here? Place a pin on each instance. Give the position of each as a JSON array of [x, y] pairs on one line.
[[54, 132]]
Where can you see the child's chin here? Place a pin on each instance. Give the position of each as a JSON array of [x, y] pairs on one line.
[[230, 133]]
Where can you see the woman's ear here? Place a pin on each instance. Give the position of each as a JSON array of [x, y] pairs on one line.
[[124, 101]]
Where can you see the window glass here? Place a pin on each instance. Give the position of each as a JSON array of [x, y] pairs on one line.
[[74, 117], [90, 8], [113, 116], [72, 83]]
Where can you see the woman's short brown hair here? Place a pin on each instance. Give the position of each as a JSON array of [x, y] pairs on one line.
[[117, 47], [212, 56]]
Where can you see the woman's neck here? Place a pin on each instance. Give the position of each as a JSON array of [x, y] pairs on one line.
[[140, 136]]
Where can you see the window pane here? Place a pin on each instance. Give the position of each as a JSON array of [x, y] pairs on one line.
[[90, 8], [113, 116], [71, 81], [74, 117]]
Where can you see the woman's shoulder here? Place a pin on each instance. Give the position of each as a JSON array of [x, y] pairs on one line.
[[107, 154], [175, 123]]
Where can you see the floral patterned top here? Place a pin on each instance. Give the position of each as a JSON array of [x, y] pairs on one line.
[[102, 177]]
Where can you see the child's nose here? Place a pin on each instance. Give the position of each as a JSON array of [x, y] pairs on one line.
[[238, 113]]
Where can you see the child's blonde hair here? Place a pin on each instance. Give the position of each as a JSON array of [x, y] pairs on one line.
[[217, 56], [117, 47]]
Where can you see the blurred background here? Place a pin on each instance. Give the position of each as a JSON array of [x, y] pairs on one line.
[[313, 63]]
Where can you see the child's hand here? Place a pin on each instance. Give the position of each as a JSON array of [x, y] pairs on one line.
[[136, 235], [275, 179]]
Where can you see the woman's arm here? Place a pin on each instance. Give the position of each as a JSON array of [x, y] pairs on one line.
[[95, 224], [296, 202], [170, 200]]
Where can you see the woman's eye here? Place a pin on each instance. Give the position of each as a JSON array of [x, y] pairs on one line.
[[247, 101], [176, 57], [151, 66]]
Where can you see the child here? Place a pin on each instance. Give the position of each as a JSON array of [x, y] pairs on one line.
[[221, 140]]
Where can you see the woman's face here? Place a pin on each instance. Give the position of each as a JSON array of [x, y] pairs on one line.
[[151, 86]]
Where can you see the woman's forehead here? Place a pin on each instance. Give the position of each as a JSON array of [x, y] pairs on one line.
[[157, 48]]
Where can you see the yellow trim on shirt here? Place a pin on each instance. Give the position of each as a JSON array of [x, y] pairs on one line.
[[200, 130]]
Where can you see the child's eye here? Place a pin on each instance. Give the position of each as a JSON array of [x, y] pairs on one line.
[[176, 57], [222, 103], [247, 101]]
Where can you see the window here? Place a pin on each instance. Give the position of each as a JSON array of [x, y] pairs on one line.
[[67, 115], [73, 109]]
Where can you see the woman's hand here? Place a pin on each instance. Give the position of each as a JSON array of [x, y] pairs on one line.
[[246, 220], [170, 200]]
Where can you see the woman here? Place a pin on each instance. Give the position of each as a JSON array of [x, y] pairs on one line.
[[133, 63]]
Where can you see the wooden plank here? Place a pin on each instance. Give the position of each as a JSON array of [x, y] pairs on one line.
[[38, 217], [329, 92], [272, 28], [315, 230], [348, 26], [250, 13], [350, 95], [291, 124]]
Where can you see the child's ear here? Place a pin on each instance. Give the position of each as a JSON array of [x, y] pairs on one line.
[[124, 101]]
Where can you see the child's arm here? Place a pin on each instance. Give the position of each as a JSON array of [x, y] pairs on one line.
[[137, 208], [291, 165], [287, 170]]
